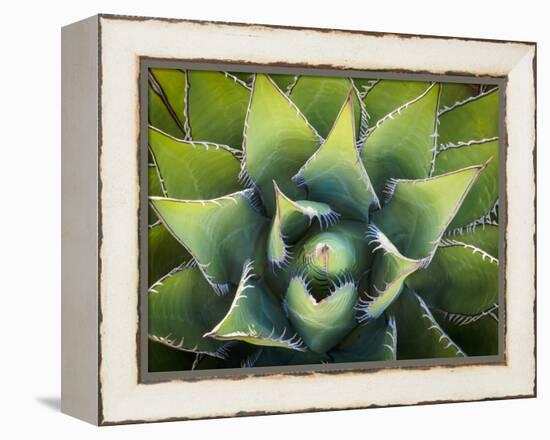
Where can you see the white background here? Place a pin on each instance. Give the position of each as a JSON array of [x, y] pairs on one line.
[[30, 216]]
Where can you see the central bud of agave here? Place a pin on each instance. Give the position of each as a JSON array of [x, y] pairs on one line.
[[322, 294], [324, 258]]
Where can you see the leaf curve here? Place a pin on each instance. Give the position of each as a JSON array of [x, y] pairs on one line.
[[278, 141], [256, 317], [419, 211], [403, 143], [182, 306], [321, 324], [220, 234], [335, 174]]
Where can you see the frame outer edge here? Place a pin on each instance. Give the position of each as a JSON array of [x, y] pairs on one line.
[[109, 419], [80, 220]]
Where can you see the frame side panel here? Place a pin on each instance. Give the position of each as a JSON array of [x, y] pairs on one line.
[[79, 213]]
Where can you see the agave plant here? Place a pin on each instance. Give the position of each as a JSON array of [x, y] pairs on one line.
[[305, 219]]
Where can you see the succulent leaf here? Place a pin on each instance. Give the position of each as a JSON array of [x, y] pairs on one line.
[[256, 316], [164, 358], [375, 340], [216, 107], [473, 119], [155, 189], [476, 334], [484, 237], [278, 141], [452, 93], [220, 234], [284, 82], [390, 269], [321, 324], [182, 306], [172, 90], [194, 170], [290, 221], [419, 211], [387, 95], [326, 256], [364, 85], [419, 336], [161, 114], [335, 173], [484, 192], [269, 356], [402, 144], [460, 279], [243, 78], [320, 100], [165, 252]]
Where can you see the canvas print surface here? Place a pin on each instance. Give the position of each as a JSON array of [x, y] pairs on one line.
[[302, 220]]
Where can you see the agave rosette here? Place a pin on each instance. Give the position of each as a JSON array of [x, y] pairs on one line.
[[302, 219]]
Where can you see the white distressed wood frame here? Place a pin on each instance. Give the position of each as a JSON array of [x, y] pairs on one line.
[[101, 62]]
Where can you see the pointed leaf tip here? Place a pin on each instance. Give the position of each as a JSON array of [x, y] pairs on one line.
[[220, 233], [419, 211], [216, 107], [278, 141], [401, 145], [291, 219], [194, 170], [256, 316], [388, 274], [335, 173], [181, 308]]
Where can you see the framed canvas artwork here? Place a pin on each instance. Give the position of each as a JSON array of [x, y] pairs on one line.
[[319, 214]]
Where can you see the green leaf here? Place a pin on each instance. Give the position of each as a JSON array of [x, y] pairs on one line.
[[364, 85], [452, 93], [194, 170], [216, 107], [474, 119], [374, 341], [320, 100], [245, 77], [220, 234], [460, 279], [321, 324], [484, 237], [172, 85], [419, 336], [284, 82], [238, 354], [335, 173], [477, 334], [484, 192], [273, 356], [387, 95], [326, 256], [389, 271], [155, 189], [164, 252], [256, 316], [160, 114], [182, 307], [402, 144], [278, 141], [163, 358], [419, 211], [291, 219]]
